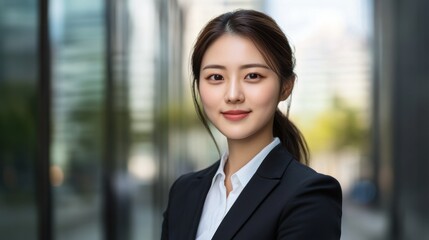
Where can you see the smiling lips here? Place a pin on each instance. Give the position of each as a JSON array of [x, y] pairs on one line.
[[235, 115]]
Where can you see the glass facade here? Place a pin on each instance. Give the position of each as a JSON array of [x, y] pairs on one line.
[[78, 92], [18, 118]]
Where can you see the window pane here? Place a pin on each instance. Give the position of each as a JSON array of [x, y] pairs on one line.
[[18, 120], [77, 35], [142, 162]]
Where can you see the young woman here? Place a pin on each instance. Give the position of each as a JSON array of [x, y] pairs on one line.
[[260, 188]]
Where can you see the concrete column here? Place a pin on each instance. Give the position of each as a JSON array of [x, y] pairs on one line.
[[403, 47]]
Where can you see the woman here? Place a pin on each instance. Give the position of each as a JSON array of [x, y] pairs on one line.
[[260, 188]]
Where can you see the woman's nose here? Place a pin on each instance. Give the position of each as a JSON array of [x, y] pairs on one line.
[[234, 93]]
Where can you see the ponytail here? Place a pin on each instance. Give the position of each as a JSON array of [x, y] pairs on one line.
[[290, 137]]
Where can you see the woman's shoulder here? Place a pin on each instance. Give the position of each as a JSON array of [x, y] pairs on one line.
[[302, 180], [305, 173], [312, 200], [298, 176], [295, 171]]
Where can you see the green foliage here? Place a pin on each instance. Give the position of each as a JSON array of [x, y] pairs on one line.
[[180, 116], [337, 128], [18, 118]]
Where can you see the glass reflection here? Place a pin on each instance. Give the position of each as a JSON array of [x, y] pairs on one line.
[[77, 117], [18, 120], [142, 167]]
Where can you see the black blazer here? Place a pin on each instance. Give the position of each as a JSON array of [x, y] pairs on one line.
[[283, 200]]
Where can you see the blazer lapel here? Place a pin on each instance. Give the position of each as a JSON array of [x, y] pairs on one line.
[[194, 207], [261, 184]]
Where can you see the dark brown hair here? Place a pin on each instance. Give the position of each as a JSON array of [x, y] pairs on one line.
[[275, 48]]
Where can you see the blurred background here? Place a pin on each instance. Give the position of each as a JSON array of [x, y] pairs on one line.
[[96, 116]]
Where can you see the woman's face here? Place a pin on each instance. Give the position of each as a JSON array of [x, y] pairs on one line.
[[238, 89]]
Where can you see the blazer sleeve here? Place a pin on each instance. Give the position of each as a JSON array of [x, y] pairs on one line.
[[314, 212], [164, 233]]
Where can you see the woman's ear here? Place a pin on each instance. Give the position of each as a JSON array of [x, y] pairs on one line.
[[287, 88]]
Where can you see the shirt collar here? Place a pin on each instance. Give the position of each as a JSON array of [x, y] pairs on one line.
[[220, 171], [245, 173]]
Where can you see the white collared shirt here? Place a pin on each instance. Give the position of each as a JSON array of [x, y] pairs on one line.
[[217, 204]]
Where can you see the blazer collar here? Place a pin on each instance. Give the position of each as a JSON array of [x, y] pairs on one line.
[[200, 186], [261, 184]]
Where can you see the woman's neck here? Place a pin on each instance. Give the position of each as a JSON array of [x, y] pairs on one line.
[[243, 150]]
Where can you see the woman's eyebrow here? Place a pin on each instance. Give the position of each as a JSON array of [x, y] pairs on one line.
[[250, 65], [254, 65], [214, 66]]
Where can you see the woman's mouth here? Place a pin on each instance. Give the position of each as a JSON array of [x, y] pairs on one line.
[[235, 115]]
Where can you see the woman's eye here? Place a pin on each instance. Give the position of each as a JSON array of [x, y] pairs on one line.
[[253, 76], [216, 77]]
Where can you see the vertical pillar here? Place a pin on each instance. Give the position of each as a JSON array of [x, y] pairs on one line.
[[404, 114], [117, 202], [44, 194], [109, 200], [168, 90]]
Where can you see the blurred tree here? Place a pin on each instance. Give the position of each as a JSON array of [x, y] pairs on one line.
[[18, 121], [338, 128], [17, 118]]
